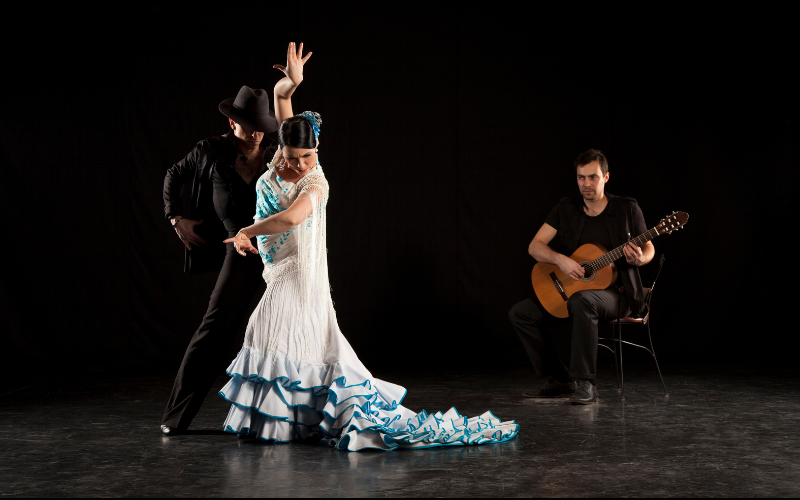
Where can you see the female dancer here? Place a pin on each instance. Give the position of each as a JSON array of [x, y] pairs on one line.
[[296, 375]]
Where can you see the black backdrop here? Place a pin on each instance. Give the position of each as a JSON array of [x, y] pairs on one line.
[[447, 137]]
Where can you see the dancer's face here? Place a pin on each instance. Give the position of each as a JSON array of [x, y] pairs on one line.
[[249, 139], [592, 181], [300, 160]]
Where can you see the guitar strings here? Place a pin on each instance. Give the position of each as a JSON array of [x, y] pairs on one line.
[[610, 257]]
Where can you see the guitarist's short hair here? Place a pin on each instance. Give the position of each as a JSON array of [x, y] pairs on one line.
[[591, 155]]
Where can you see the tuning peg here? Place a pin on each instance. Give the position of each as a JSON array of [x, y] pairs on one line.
[[674, 212]]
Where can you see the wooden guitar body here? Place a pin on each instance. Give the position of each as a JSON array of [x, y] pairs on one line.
[[553, 288]]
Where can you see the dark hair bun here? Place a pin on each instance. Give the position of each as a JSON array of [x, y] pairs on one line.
[[298, 132]]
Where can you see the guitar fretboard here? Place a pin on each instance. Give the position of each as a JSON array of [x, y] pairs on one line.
[[615, 254]]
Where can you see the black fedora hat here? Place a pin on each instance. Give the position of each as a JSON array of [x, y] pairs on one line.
[[250, 109]]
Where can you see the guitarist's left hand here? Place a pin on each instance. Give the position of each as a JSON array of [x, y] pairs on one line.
[[634, 255]]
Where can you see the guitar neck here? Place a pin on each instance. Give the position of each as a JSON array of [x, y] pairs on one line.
[[615, 254]]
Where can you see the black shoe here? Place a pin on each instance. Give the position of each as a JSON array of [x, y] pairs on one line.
[[168, 431], [586, 393], [553, 389]]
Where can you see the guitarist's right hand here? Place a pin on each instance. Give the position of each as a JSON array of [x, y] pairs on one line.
[[570, 267]]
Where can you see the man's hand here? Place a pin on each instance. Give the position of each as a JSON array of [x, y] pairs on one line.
[[185, 230], [241, 242], [570, 267], [633, 254]]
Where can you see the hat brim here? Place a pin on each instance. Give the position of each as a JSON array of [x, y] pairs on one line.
[[259, 124]]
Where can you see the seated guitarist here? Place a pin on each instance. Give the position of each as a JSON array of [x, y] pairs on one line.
[[594, 217]]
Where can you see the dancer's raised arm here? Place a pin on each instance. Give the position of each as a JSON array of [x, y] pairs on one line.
[[287, 85]]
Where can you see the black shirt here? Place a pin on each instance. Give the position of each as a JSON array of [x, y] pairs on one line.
[[234, 199], [595, 231], [220, 197], [621, 217]]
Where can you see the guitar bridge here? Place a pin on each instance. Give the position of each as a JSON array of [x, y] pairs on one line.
[[558, 286]]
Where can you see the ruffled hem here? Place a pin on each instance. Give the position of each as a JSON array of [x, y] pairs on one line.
[[276, 399]]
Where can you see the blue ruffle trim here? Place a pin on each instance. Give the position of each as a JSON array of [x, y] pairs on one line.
[[276, 399]]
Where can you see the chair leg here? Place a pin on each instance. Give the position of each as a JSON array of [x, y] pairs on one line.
[[653, 352], [621, 370], [616, 364]]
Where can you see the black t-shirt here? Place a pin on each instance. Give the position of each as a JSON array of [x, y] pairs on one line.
[[595, 229], [623, 219]]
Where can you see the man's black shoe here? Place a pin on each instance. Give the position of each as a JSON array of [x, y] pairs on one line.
[[553, 389], [169, 431], [586, 393]]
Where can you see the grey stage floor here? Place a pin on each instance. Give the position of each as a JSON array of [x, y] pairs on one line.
[[721, 433]]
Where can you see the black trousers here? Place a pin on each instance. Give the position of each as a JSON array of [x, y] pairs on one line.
[[586, 310], [209, 349]]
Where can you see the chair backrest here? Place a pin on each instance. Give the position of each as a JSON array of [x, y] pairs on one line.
[[653, 286]]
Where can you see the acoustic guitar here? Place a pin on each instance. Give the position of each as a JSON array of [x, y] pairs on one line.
[[553, 288]]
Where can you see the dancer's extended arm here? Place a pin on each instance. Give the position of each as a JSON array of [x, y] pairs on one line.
[[274, 224], [287, 85]]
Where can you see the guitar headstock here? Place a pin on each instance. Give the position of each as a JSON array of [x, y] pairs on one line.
[[672, 222]]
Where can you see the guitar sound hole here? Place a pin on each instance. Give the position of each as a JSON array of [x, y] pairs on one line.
[[588, 273]]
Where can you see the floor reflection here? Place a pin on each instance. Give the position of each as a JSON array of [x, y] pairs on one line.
[[307, 470], [585, 414], [715, 436]]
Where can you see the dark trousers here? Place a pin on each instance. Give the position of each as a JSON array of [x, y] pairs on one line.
[[209, 350], [586, 310]]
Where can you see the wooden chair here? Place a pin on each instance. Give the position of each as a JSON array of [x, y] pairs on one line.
[[616, 343]]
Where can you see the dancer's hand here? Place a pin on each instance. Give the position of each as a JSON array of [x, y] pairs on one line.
[[185, 230], [294, 63], [241, 242]]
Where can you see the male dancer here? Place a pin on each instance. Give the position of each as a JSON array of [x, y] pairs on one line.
[[594, 217], [223, 171]]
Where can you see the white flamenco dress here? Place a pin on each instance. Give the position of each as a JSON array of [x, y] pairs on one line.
[[297, 375]]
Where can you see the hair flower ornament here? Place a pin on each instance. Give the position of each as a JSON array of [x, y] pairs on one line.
[[314, 119]]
